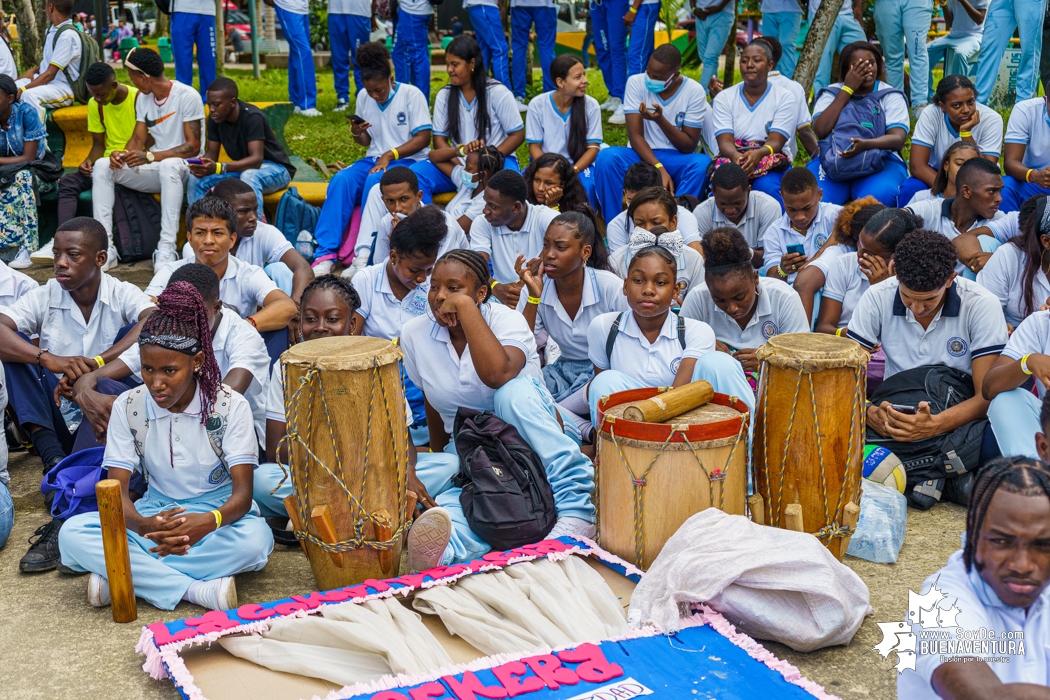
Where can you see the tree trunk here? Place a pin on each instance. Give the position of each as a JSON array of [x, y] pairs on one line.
[[28, 34], [730, 70], [819, 29], [220, 40], [162, 26]]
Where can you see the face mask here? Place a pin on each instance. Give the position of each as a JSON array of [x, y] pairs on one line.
[[468, 179], [655, 86]]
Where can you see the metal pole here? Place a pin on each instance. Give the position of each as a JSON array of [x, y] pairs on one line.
[[255, 37]]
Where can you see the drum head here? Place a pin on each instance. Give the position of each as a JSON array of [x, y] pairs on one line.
[[812, 352], [348, 353], [701, 415]]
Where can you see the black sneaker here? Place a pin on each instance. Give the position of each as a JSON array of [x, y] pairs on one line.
[[957, 490], [43, 554]]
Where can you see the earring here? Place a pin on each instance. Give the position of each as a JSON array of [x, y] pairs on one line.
[[301, 338], [196, 370]]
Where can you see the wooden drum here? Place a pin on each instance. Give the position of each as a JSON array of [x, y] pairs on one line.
[[809, 435], [348, 456], [652, 477]]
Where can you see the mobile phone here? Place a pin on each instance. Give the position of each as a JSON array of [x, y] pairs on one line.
[[797, 249], [195, 161], [355, 119], [901, 408]]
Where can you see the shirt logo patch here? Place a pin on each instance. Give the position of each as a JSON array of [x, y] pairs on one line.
[[769, 126], [769, 329], [821, 239], [418, 305], [217, 475], [679, 120], [675, 364], [957, 347], [402, 119]]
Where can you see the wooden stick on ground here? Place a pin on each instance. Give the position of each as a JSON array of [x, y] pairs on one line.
[[115, 547]]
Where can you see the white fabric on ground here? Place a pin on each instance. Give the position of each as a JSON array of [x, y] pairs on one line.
[[480, 626], [498, 591], [329, 663]]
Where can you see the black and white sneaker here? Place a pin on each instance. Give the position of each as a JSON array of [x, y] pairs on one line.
[[43, 554], [341, 105]]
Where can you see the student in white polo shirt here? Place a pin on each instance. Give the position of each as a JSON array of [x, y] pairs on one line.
[[979, 185], [1017, 270], [928, 315], [943, 186], [552, 182], [808, 221], [744, 309], [48, 85], [566, 287], [642, 176], [1026, 153], [804, 127], [1014, 410], [734, 203], [511, 227], [954, 115], [665, 114]]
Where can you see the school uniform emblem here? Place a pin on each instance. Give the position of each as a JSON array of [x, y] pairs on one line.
[[402, 119], [216, 475], [679, 120], [821, 239], [769, 329], [675, 364], [957, 347], [418, 305]]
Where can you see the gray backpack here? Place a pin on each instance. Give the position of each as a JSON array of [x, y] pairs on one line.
[[861, 118]]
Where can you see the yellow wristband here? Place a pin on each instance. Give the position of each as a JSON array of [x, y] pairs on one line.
[[771, 151], [397, 156], [632, 10], [493, 285], [847, 89], [1024, 364], [659, 165], [218, 168], [533, 300], [218, 519], [964, 134], [461, 150], [1028, 175], [839, 332], [99, 361]]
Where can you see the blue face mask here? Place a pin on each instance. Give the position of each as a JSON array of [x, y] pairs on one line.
[[655, 86], [468, 179]]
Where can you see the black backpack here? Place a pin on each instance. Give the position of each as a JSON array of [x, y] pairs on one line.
[[136, 224], [506, 497], [941, 456]]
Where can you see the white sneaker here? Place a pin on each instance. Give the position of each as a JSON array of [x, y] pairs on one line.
[[341, 105], [917, 110], [618, 116], [356, 266], [614, 104], [428, 539], [324, 267], [163, 256], [311, 112], [522, 107], [604, 106], [217, 594], [21, 261], [112, 259], [98, 591], [573, 527], [45, 255]]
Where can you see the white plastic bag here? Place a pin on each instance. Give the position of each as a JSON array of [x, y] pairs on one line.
[[883, 522], [771, 583], [329, 663]]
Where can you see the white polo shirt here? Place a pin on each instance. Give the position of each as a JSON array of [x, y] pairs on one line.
[[455, 238], [653, 364], [781, 235], [65, 54], [1006, 226], [1030, 336], [503, 246], [980, 612], [416, 7], [778, 310], [193, 7], [923, 196], [770, 6], [237, 346], [686, 107], [13, 284], [504, 117], [844, 282], [243, 287], [384, 314], [465, 203], [361, 8], [1002, 275], [937, 216], [690, 267], [845, 11], [405, 114], [934, 131], [267, 245], [50, 312], [195, 469], [803, 118], [619, 230], [894, 106], [547, 126], [1029, 125], [969, 325], [602, 293], [449, 380], [777, 110], [761, 214], [962, 24]]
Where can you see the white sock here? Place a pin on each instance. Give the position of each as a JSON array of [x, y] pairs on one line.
[[577, 402], [191, 593]]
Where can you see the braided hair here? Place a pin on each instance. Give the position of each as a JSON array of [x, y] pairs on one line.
[[474, 262], [181, 313], [490, 162], [1020, 475], [340, 285]]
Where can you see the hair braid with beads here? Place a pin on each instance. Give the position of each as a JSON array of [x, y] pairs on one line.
[[475, 264], [181, 312], [1020, 475]]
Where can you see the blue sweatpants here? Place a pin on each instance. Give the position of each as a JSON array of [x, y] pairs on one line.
[[770, 184], [687, 170], [546, 21], [883, 186], [345, 34], [411, 52], [1014, 417], [189, 30], [908, 190], [844, 32], [31, 391], [711, 35], [610, 43], [784, 26], [587, 180], [905, 24], [302, 81], [641, 44], [1015, 192], [243, 545], [1004, 16], [432, 181], [488, 30]]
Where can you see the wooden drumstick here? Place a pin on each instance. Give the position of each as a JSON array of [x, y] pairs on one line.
[[115, 547], [670, 404], [292, 506]]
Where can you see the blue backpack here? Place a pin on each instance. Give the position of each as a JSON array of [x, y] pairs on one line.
[[861, 118], [73, 481], [295, 214]]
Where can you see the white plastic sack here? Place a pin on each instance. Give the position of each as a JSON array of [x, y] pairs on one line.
[[883, 522], [329, 663], [771, 583]]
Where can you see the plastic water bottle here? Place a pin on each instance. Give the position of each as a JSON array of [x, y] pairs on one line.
[[71, 414], [882, 524], [305, 244]]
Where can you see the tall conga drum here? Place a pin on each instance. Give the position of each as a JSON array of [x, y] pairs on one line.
[[348, 456], [809, 435], [652, 477]]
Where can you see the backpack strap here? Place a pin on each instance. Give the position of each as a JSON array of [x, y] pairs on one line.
[[218, 421], [54, 43], [681, 331], [611, 340]]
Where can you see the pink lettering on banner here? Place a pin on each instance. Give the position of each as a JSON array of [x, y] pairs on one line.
[[547, 546], [593, 668], [470, 687], [390, 695], [507, 674], [254, 612], [162, 636], [289, 608], [410, 580], [357, 591], [211, 621], [315, 599], [425, 692], [550, 671], [377, 586]]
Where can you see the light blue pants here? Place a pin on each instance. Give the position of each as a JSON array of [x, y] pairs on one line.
[[1014, 416], [281, 275], [7, 513], [711, 35], [1015, 192], [904, 24], [546, 21], [411, 51], [965, 47], [687, 170], [725, 374], [271, 177], [610, 44], [883, 186], [302, 81], [642, 41], [189, 30], [988, 245], [784, 26], [488, 30], [844, 32], [236, 547], [1004, 16], [345, 34]]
